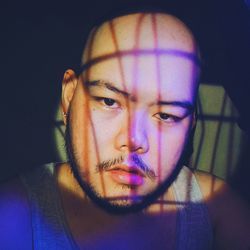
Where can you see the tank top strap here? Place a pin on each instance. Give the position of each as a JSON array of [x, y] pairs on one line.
[[194, 230], [50, 230]]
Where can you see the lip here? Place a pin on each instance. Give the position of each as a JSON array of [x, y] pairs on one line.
[[128, 175]]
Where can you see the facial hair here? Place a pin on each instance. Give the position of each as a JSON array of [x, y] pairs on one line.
[[109, 204], [135, 159]]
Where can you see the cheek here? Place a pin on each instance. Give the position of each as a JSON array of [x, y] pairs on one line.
[[104, 128], [167, 147], [94, 136], [81, 137], [173, 149], [82, 131]]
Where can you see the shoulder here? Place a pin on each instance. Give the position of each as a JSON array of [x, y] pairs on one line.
[[15, 230], [209, 184], [229, 213]]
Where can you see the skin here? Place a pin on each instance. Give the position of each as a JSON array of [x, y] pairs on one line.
[[108, 124], [136, 125], [132, 127]]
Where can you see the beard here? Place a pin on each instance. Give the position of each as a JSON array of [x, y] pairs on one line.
[[118, 205]]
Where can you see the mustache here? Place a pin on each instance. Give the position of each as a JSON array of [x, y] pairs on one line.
[[136, 160]]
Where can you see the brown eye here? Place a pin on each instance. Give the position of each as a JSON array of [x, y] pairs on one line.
[[109, 101], [167, 118], [164, 116]]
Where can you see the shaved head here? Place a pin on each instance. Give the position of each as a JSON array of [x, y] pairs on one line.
[[139, 31], [132, 109]]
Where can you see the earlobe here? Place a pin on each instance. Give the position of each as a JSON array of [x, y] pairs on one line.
[[68, 88]]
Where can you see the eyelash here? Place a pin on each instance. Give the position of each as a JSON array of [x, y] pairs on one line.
[[172, 118], [103, 99], [166, 120]]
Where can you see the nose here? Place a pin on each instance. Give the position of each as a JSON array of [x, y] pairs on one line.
[[132, 136]]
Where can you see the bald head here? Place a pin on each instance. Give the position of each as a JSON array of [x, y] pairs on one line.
[[134, 98], [139, 32], [144, 48]]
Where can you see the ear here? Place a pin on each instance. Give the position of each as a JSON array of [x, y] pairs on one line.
[[68, 88]]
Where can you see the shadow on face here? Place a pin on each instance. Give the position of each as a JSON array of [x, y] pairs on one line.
[[131, 109]]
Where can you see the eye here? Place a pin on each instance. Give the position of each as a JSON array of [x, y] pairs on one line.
[[107, 102], [167, 117]]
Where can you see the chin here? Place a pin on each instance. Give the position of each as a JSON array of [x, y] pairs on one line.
[[124, 199]]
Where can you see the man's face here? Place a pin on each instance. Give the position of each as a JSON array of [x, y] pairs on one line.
[[132, 109]]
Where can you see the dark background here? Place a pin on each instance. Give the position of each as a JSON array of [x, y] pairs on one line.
[[40, 40]]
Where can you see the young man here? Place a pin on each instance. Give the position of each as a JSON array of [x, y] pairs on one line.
[[129, 115]]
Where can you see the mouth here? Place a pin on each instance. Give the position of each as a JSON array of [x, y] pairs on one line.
[[127, 175]]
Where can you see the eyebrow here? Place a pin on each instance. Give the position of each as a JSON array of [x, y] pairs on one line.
[[182, 104], [99, 83], [109, 86]]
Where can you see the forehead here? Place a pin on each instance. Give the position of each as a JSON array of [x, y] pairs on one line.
[[142, 31], [153, 51]]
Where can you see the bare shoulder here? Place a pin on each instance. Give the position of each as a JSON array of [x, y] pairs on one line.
[[230, 214], [15, 230], [209, 184]]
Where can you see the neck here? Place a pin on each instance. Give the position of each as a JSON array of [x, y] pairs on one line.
[[85, 218]]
